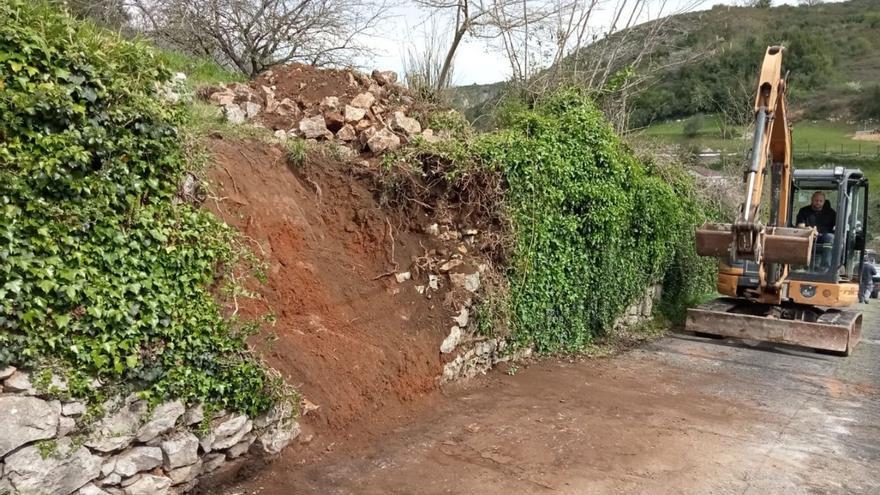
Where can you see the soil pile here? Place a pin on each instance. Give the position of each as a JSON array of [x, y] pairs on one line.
[[364, 113]]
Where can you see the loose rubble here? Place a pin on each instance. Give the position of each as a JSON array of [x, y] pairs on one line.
[[371, 114]]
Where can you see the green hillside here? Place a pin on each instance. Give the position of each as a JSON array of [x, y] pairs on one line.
[[833, 56]]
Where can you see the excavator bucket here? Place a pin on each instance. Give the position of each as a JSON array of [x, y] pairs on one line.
[[791, 246], [834, 330]]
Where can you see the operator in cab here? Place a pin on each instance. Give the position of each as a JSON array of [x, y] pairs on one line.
[[821, 215]]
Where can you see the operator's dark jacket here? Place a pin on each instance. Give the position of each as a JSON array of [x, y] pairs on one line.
[[823, 219]]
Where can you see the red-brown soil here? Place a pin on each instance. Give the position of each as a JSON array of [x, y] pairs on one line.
[[350, 342]]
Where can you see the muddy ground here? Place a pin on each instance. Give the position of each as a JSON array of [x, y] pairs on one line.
[[680, 415]]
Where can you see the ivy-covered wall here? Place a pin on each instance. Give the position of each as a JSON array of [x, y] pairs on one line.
[[104, 277], [594, 226]]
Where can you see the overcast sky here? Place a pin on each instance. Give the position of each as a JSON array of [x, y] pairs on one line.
[[476, 62]]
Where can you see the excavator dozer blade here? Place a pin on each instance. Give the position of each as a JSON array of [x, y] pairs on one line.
[[836, 331]]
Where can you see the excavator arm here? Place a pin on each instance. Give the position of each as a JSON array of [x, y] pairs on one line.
[[774, 246]]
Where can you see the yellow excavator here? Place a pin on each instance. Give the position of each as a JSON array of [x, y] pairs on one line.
[[788, 281]]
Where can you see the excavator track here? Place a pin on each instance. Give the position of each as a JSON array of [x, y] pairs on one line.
[[832, 330]]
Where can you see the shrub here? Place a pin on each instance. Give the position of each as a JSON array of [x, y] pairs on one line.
[[692, 126], [102, 274]]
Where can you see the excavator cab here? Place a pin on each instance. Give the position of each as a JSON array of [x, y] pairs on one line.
[[837, 255]]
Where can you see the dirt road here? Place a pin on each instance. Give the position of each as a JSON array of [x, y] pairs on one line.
[[682, 415]]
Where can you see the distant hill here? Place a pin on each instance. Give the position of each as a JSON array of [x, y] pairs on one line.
[[833, 55]]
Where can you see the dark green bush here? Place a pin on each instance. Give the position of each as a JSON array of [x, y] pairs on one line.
[[101, 275], [593, 225]]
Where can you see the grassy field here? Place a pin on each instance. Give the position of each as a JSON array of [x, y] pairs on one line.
[[810, 137]]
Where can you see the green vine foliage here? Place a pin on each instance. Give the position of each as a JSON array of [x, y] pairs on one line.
[[100, 272], [593, 226]]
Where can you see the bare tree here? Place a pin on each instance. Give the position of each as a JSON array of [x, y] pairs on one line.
[[811, 3], [614, 61], [479, 19], [423, 64], [108, 13], [252, 35]]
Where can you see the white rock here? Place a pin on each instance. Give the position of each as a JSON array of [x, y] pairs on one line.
[[138, 459], [149, 484], [161, 420], [20, 382], [193, 415], [354, 114], [330, 102], [432, 229], [402, 277], [241, 447], [234, 114], [280, 135], [470, 281], [451, 341], [420, 289], [91, 489], [449, 265], [226, 434], [75, 408], [462, 318], [433, 281], [223, 98], [382, 141], [346, 133], [252, 109], [281, 411], [108, 466], [25, 420], [180, 449], [62, 474], [363, 100], [6, 487], [287, 108], [314, 127], [118, 429], [65, 426], [185, 474], [272, 441], [408, 125], [229, 425], [6, 372], [428, 135], [271, 104], [385, 77], [110, 480]]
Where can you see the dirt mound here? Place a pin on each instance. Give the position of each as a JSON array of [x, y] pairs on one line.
[[347, 334], [365, 113]]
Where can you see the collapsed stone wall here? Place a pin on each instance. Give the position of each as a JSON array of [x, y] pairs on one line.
[[49, 446], [356, 112]]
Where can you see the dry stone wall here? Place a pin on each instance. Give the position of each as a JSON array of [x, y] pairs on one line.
[[476, 355], [47, 447]]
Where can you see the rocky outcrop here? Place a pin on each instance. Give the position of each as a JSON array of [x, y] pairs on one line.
[[134, 449]]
